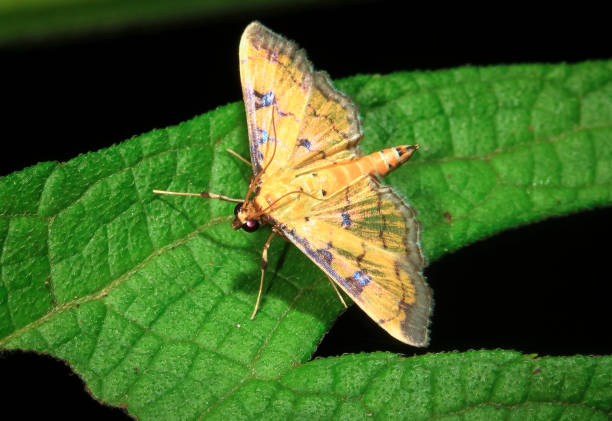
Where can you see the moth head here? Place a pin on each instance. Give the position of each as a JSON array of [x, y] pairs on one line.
[[243, 218]]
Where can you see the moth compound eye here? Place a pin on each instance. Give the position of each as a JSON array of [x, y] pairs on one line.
[[237, 208], [250, 226]]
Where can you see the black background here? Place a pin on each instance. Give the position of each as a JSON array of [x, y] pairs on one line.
[[539, 289]]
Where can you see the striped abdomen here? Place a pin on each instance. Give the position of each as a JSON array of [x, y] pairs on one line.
[[378, 163], [324, 182], [383, 162]]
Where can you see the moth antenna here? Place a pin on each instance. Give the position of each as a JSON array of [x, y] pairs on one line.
[[285, 195], [205, 195], [261, 173], [264, 265], [237, 155]]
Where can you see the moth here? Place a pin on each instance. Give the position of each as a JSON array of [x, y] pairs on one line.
[[311, 184]]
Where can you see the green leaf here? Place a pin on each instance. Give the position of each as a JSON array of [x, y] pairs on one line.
[[148, 297]]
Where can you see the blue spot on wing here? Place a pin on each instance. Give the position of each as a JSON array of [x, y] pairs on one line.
[[304, 142], [263, 136], [362, 277], [346, 220], [267, 99]]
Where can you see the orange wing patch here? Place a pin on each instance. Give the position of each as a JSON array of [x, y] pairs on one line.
[[330, 127], [276, 78], [283, 95], [366, 240]]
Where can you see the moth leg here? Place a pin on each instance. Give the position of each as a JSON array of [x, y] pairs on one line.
[[338, 292], [205, 195], [264, 265], [237, 155]]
